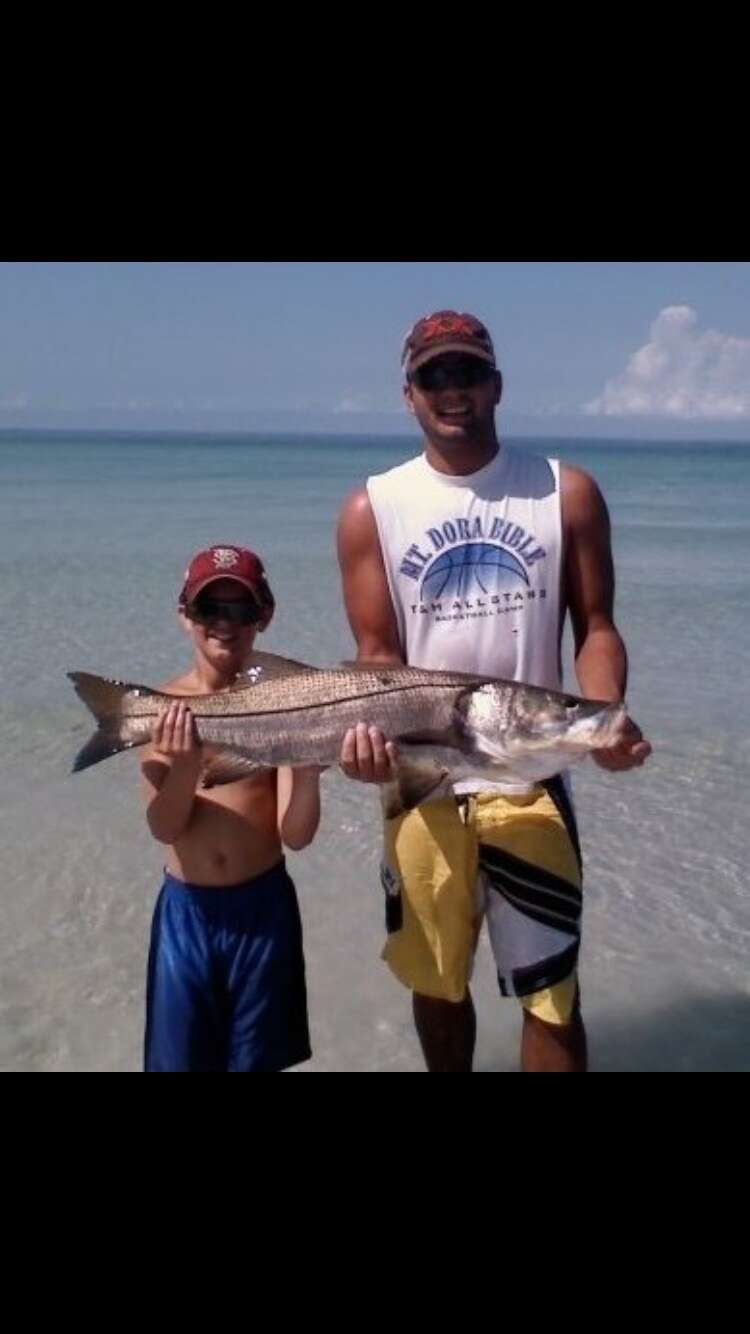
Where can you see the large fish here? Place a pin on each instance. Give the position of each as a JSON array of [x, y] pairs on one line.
[[448, 725]]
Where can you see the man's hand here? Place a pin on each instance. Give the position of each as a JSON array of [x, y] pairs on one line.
[[630, 752], [367, 756]]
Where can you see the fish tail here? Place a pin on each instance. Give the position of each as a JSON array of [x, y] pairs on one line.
[[104, 699]]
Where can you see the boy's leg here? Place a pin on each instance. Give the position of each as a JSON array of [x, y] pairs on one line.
[[185, 1018], [266, 979]]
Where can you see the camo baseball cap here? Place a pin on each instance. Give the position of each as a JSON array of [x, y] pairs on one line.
[[445, 331], [229, 562]]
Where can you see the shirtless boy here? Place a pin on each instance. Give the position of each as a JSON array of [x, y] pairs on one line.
[[226, 976]]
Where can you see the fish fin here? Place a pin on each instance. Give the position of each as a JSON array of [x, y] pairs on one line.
[[269, 667], [103, 696], [382, 670], [369, 665], [104, 699], [413, 784], [419, 675], [101, 744], [227, 767]]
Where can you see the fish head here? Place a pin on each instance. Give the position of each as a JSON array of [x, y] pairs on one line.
[[510, 721]]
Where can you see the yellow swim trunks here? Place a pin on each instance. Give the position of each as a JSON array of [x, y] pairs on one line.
[[512, 860]]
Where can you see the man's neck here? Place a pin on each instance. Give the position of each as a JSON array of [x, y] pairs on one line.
[[461, 460]]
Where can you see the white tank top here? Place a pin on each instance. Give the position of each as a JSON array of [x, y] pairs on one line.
[[473, 566]]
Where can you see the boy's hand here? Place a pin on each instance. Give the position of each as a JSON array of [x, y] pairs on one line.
[[173, 736]]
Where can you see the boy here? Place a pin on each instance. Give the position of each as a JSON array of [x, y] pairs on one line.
[[226, 975]]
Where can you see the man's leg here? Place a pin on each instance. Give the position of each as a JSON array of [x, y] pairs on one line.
[[431, 857], [447, 1031], [558, 1048], [529, 856]]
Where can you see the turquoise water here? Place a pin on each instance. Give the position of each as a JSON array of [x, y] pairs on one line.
[[95, 533]]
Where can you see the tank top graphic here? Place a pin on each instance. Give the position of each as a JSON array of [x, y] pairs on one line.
[[473, 567]]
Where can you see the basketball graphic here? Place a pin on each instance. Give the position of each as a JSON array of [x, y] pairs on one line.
[[476, 567]]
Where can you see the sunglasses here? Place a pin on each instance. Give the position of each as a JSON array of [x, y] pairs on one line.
[[463, 374], [207, 610]]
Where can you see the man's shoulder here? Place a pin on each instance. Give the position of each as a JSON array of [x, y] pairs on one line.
[[578, 485], [581, 497], [397, 472], [358, 506]]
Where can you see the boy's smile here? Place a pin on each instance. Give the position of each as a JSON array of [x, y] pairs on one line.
[[223, 623]]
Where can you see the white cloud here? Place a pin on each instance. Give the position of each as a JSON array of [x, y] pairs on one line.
[[21, 400], [353, 403], [681, 373]]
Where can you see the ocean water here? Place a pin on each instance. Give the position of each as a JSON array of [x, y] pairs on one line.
[[95, 532]]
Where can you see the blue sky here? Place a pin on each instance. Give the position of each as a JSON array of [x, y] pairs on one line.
[[633, 349]]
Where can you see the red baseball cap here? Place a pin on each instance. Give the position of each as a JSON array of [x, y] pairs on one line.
[[446, 331], [229, 562]]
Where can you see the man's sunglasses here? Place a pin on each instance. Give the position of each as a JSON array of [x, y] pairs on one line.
[[462, 374], [207, 610]]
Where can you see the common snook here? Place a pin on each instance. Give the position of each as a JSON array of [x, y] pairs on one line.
[[448, 725]]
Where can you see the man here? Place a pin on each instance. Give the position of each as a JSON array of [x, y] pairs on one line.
[[469, 557]]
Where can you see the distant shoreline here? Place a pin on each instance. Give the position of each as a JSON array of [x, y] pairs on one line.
[[113, 435]]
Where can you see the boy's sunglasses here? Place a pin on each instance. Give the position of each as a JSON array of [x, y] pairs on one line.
[[461, 374], [208, 610]]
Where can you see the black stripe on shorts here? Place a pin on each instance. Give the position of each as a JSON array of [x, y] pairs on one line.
[[527, 880]]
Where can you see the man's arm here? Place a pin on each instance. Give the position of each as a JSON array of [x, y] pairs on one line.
[[366, 594], [589, 591], [366, 754]]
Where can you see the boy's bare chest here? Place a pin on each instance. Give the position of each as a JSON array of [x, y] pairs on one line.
[[254, 795]]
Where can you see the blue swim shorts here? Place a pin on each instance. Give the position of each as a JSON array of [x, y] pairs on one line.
[[226, 978]]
